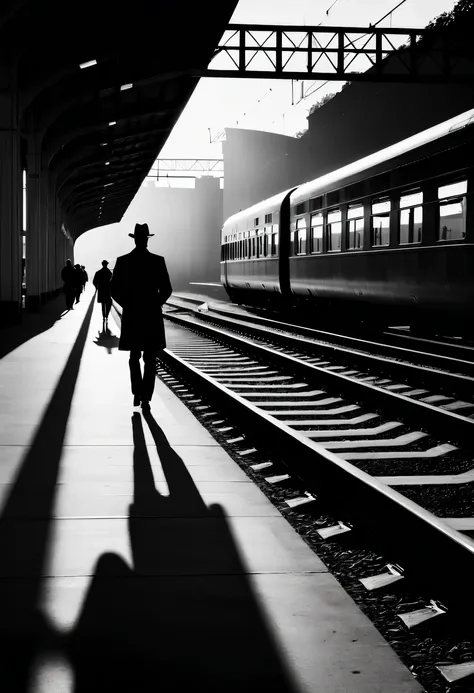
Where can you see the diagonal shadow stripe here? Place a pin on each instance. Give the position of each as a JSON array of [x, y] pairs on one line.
[[24, 543]]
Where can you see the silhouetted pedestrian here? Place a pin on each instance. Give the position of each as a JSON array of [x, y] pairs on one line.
[[77, 267], [101, 282], [85, 277], [69, 277], [141, 285]]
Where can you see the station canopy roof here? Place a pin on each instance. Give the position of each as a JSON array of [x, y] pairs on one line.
[[102, 126]]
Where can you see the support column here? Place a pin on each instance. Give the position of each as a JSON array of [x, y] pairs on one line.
[[33, 226], [43, 235], [10, 206], [52, 230]]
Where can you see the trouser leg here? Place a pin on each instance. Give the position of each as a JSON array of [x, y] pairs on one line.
[[135, 372], [107, 306], [149, 375]]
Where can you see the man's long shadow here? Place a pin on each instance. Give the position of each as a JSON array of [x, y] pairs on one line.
[[185, 617], [25, 526]]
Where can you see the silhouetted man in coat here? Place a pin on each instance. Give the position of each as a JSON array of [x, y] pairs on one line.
[[85, 277], [69, 277], [141, 285], [101, 282], [79, 280]]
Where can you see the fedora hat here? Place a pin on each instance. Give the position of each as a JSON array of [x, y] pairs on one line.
[[141, 231]]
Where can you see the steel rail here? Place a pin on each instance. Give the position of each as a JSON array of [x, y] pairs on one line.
[[422, 358], [421, 414], [445, 348], [420, 375], [413, 533]]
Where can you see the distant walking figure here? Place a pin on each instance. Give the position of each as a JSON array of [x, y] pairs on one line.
[[101, 282], [79, 281], [141, 285], [85, 277], [69, 277]]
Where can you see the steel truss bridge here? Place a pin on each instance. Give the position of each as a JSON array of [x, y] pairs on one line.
[[178, 168], [363, 54]]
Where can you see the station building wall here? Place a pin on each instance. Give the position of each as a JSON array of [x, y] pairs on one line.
[[256, 166], [187, 224], [359, 120]]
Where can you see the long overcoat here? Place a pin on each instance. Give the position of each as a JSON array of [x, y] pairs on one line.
[[102, 283], [141, 285]]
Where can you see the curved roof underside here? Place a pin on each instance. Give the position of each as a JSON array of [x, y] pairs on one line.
[[153, 45]]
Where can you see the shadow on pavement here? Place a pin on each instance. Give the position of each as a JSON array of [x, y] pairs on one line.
[[107, 340], [182, 617], [33, 324], [185, 617], [25, 527]]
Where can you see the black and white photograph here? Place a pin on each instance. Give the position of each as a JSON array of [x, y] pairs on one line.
[[237, 346]]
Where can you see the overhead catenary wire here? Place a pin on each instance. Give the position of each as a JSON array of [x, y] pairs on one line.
[[355, 41], [389, 13], [313, 91]]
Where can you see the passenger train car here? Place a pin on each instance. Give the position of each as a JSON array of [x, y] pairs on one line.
[[388, 239]]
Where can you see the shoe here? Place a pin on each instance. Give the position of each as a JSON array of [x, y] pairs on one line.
[[136, 400]]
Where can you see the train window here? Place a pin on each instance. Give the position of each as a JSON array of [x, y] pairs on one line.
[[317, 225], [454, 189], [381, 222], [255, 221], [411, 218], [268, 218], [268, 241], [355, 227], [452, 211], [301, 236], [333, 197], [334, 230], [260, 243], [292, 242], [301, 208], [315, 204], [275, 239]]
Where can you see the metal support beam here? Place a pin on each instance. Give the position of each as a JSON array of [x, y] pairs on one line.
[[363, 54], [170, 168]]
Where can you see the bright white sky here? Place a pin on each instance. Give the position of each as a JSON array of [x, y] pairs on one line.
[[266, 104]]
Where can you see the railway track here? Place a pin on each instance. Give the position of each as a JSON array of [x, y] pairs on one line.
[[406, 459], [436, 379], [395, 343]]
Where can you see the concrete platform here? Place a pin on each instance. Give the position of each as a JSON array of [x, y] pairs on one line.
[[136, 555]]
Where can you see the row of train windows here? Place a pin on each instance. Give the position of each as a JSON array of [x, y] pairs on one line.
[[263, 245], [452, 222]]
